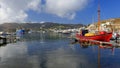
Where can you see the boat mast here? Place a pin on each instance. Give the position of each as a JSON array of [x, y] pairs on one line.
[[98, 15]]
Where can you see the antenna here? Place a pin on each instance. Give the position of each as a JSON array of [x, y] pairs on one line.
[[98, 15]]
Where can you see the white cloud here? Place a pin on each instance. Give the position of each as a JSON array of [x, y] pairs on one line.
[[15, 10], [65, 8]]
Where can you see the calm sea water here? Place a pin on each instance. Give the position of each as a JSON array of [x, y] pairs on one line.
[[50, 50]]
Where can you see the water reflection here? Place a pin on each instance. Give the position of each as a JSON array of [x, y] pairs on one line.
[[12, 56], [103, 51], [42, 37], [55, 52], [65, 59]]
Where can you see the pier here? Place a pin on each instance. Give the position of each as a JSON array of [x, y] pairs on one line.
[[7, 39], [3, 40]]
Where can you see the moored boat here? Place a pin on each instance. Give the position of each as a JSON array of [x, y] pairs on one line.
[[101, 36]]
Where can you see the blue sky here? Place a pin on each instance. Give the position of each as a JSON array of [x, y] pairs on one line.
[[109, 9], [59, 11]]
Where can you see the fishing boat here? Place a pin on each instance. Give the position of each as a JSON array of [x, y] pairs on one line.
[[100, 36]]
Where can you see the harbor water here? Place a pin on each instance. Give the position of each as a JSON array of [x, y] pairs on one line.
[[53, 50]]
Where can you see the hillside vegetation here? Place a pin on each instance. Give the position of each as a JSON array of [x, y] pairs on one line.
[[11, 27]]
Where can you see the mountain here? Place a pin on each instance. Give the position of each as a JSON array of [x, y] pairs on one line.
[[11, 27]]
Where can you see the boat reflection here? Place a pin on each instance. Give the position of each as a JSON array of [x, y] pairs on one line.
[[1, 45], [100, 49]]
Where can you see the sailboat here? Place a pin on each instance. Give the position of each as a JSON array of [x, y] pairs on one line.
[[101, 36]]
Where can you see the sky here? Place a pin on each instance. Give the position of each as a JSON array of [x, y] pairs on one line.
[[58, 11]]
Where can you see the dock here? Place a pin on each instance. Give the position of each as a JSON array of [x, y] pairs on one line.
[[3, 40], [7, 39]]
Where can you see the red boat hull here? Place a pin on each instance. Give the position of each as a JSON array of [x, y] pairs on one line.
[[102, 37]]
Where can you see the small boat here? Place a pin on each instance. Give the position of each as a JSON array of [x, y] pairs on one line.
[[66, 32]]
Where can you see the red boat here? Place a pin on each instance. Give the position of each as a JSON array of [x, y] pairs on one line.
[[101, 37]]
